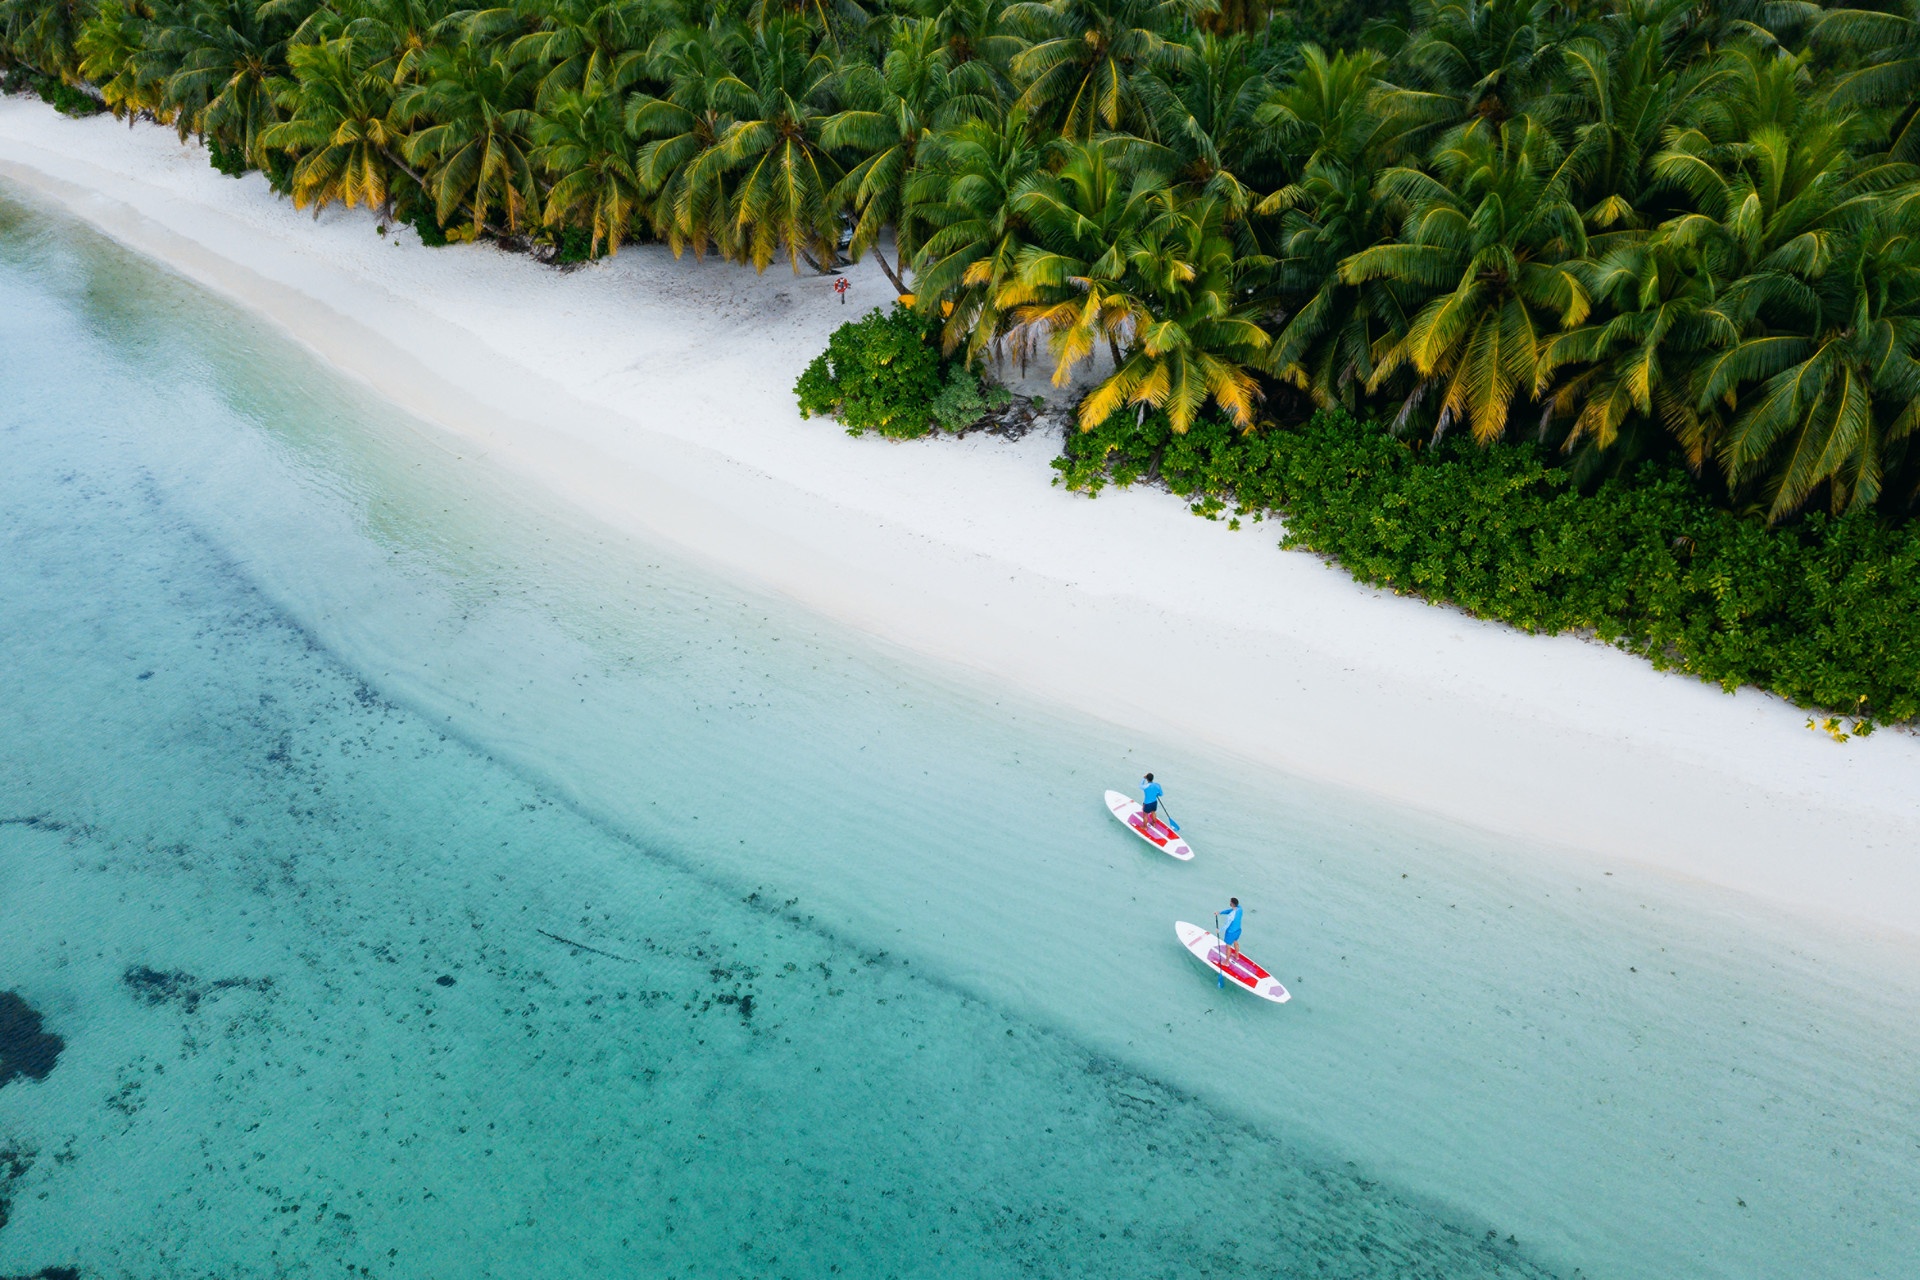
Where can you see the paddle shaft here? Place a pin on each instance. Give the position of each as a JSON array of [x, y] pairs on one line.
[[1220, 970]]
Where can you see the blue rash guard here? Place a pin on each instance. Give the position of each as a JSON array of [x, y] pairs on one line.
[[1149, 796], [1230, 922]]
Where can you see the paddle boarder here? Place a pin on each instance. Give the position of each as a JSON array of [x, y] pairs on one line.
[[1230, 927], [1149, 800]]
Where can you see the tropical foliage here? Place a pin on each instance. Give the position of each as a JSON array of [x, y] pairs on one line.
[[880, 373], [1825, 612], [1642, 236]]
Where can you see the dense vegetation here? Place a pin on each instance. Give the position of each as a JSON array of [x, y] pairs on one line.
[[882, 373], [1825, 611], [1655, 259], [1630, 229]]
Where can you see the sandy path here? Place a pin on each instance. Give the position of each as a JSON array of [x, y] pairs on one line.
[[657, 395]]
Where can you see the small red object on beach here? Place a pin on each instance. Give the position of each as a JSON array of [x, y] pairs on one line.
[[840, 287]]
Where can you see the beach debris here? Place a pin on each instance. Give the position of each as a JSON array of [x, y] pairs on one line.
[[25, 1048], [1024, 415]]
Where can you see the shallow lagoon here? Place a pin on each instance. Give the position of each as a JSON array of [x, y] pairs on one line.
[[430, 883]]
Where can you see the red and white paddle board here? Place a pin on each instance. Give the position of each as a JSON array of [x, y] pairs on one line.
[[1152, 830], [1238, 969]]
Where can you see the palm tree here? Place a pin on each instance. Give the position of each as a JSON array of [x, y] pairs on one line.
[[1625, 93], [1779, 203], [1664, 313], [584, 44], [1085, 74], [893, 111], [1337, 109], [825, 18], [1841, 386], [1480, 59], [1073, 287], [1888, 72], [963, 196], [1764, 200], [1206, 121], [43, 33], [1339, 126], [982, 32], [1496, 244], [396, 35], [339, 126], [584, 146], [1197, 331], [114, 55], [230, 56], [687, 202], [1238, 17], [1336, 328], [475, 144], [1774, 26], [783, 174]]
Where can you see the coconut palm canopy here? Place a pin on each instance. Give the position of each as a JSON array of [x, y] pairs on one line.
[[1630, 228]]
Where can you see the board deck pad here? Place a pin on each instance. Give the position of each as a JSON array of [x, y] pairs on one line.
[[1239, 970], [1153, 831]]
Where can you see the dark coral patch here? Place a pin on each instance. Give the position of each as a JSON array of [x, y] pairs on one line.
[[158, 988], [182, 988], [14, 1163], [25, 1049]]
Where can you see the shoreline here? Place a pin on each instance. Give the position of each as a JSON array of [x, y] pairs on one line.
[[655, 395]]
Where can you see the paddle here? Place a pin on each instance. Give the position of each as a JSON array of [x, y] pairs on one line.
[[1162, 814], [1219, 970]]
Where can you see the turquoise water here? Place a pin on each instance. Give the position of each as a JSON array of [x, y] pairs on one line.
[[427, 882]]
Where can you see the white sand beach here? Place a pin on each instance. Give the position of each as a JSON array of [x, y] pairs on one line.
[[656, 394]]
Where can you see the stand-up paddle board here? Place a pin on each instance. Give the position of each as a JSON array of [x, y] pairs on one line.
[[1236, 969], [1152, 830]]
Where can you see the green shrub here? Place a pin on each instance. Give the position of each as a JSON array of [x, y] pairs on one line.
[[279, 173], [571, 245], [878, 373], [1825, 612], [883, 373], [420, 218], [66, 99], [227, 160], [963, 400]]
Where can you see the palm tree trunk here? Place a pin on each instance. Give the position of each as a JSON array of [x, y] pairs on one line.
[[403, 167], [881, 258], [420, 181]]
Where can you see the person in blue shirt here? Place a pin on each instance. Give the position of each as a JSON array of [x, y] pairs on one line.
[[1150, 800], [1230, 928]]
